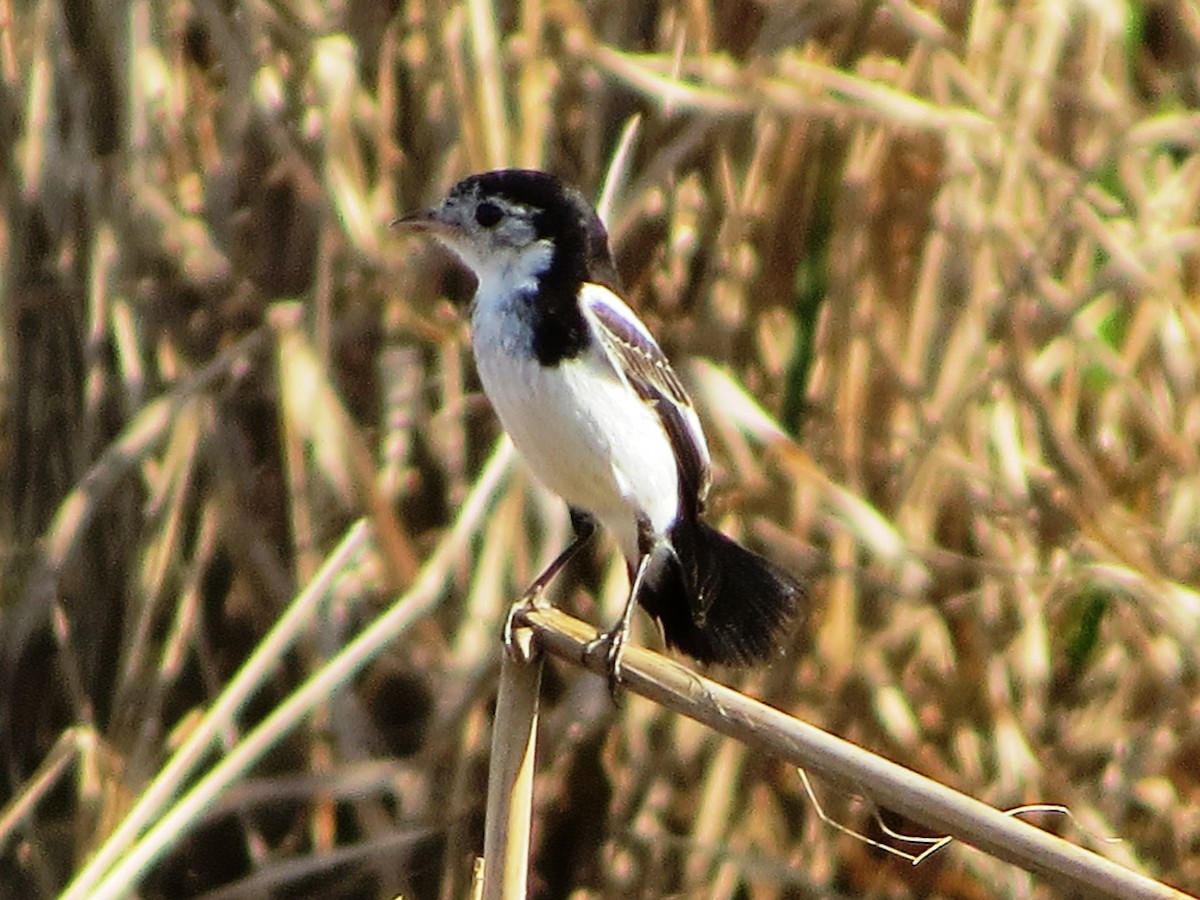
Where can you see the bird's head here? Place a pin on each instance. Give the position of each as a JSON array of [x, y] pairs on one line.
[[519, 222]]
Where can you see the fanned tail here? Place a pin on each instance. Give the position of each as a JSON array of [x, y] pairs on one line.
[[719, 602]]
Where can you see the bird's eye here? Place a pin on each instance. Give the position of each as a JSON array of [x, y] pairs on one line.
[[488, 214]]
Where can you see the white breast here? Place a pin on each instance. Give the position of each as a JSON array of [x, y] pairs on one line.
[[582, 430]]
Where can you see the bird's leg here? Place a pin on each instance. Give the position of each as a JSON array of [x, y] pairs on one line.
[[617, 636], [584, 526]]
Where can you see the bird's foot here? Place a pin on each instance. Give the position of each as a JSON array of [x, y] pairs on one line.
[[613, 643], [518, 641]]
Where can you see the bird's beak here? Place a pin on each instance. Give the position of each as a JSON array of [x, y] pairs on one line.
[[425, 221]]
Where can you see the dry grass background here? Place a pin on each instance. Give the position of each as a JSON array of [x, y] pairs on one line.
[[951, 248]]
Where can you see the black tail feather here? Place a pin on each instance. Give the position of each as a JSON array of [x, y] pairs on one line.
[[719, 602]]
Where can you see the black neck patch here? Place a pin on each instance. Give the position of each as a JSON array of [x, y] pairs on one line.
[[559, 329]]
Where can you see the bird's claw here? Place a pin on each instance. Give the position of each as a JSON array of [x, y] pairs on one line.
[[613, 642], [518, 640]]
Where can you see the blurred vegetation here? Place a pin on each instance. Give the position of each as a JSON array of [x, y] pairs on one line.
[[953, 247]]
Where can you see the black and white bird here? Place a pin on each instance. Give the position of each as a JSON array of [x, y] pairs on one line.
[[594, 407]]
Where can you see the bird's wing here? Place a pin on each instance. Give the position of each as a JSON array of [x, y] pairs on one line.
[[638, 359]]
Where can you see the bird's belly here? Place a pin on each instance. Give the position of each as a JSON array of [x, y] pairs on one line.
[[587, 437]]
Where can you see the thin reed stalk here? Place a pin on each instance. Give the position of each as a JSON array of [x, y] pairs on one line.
[[1067, 866]]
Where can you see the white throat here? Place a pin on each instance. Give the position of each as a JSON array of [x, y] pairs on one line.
[[505, 270]]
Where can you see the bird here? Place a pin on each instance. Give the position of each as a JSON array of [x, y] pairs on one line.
[[593, 406]]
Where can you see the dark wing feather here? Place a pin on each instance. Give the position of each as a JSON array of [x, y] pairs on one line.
[[643, 364]]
